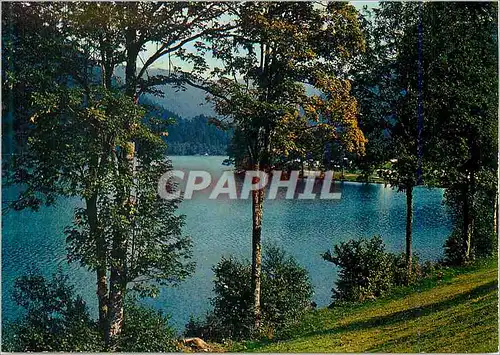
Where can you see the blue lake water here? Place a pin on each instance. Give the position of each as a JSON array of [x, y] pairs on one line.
[[304, 228]]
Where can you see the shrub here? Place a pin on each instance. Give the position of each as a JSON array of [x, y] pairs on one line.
[[286, 289], [55, 319], [232, 312], [366, 269], [58, 320], [285, 294], [400, 271], [145, 330]]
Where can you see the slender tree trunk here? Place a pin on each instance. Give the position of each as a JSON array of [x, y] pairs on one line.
[[465, 225], [118, 279], [469, 217], [495, 215], [117, 290], [257, 206], [107, 74], [409, 226], [118, 255], [102, 296], [102, 286]]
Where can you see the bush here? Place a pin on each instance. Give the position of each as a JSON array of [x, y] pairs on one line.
[[145, 330], [55, 319], [285, 294], [286, 289], [366, 269], [400, 270], [58, 320], [232, 312]]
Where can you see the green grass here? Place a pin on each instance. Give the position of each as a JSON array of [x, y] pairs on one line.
[[455, 312]]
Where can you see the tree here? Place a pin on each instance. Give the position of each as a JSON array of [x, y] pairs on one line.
[[31, 29], [146, 330], [55, 319], [72, 151], [435, 111], [119, 33], [275, 50], [286, 295], [463, 100], [104, 36], [366, 269], [146, 247], [372, 87], [390, 80]]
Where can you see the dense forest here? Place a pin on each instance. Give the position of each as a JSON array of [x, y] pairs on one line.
[[193, 136]]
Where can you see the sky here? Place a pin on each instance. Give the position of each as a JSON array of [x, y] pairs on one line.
[[162, 63]]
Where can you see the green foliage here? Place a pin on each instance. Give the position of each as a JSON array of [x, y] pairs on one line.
[[58, 320], [454, 248], [159, 254], [270, 109], [231, 317], [145, 330], [286, 294], [430, 100], [70, 146], [484, 238], [86, 135], [400, 270], [366, 269], [287, 290], [55, 319], [197, 136], [463, 93], [77, 147], [38, 55]]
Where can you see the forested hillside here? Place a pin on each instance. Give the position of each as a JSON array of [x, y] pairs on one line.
[[196, 136], [189, 136]]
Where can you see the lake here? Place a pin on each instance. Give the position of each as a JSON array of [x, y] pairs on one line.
[[304, 228]]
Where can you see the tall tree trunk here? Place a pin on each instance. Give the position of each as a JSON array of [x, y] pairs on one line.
[[495, 215], [257, 206], [102, 296], [117, 290], [465, 224], [469, 217], [409, 226], [118, 254], [107, 74], [102, 287], [118, 278]]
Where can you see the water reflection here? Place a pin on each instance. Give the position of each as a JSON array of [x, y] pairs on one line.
[[304, 228]]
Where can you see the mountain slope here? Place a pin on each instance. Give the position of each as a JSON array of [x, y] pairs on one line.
[[186, 103]]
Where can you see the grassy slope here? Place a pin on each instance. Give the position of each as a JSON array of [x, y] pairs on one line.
[[457, 313]]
